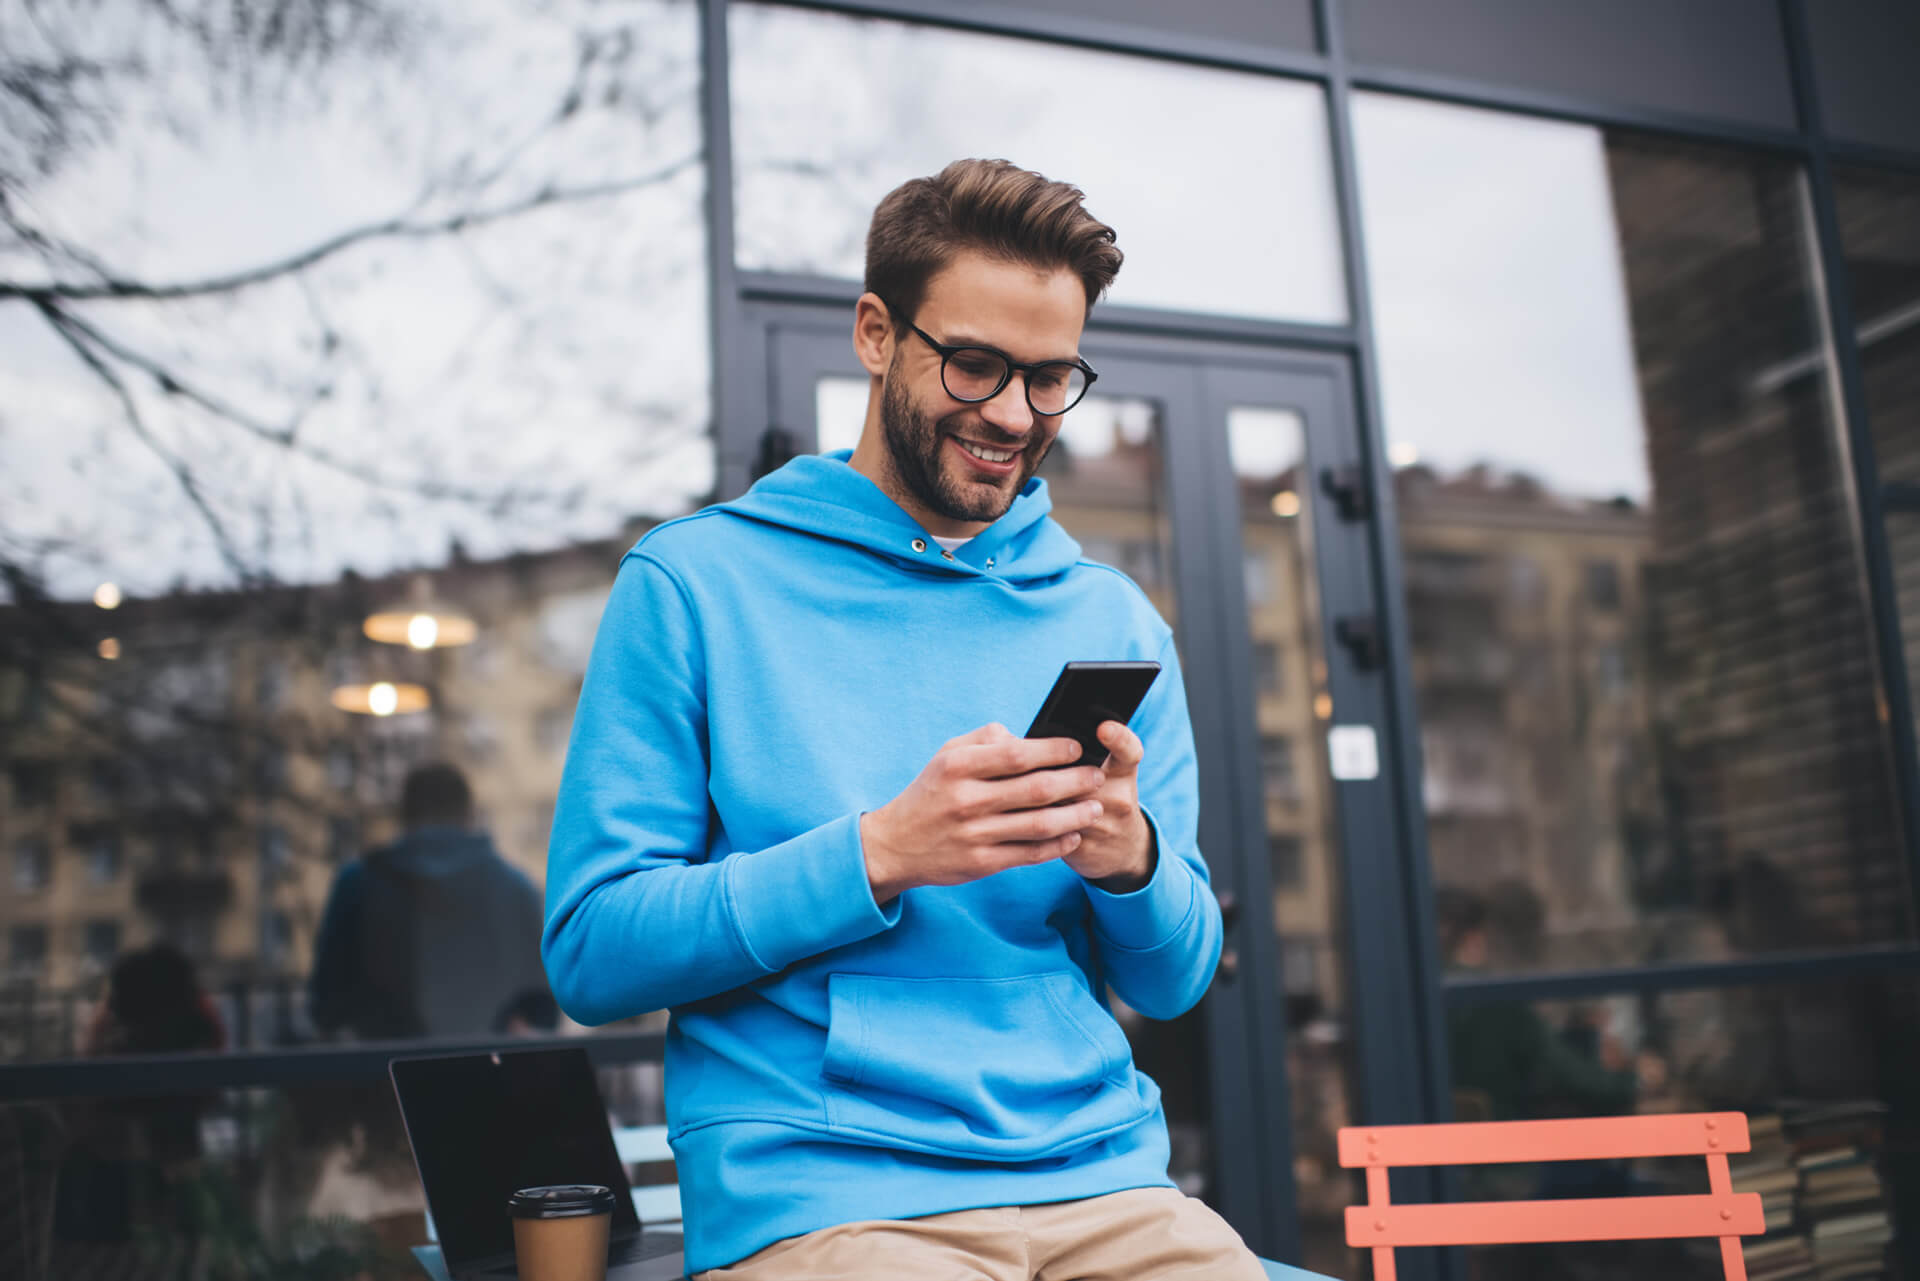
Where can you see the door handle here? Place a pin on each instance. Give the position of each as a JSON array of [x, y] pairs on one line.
[[1229, 968], [1347, 486], [1360, 634]]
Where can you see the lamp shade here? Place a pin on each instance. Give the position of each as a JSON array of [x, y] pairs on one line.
[[382, 698]]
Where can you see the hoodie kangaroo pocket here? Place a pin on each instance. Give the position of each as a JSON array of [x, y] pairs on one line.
[[1008, 1068]]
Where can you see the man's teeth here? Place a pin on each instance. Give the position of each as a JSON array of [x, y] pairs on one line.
[[990, 455]]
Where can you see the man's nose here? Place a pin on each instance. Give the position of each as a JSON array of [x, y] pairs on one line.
[[1009, 411]]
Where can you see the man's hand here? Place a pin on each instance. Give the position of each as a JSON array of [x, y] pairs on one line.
[[987, 801], [1116, 850]]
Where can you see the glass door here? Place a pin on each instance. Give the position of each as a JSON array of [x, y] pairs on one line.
[[1192, 472]]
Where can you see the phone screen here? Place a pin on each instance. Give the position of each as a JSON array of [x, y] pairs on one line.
[[1088, 694]]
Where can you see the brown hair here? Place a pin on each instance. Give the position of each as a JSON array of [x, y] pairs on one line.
[[994, 207]]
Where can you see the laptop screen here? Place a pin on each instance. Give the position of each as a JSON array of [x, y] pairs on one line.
[[484, 1125]]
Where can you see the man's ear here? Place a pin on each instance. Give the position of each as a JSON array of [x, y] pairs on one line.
[[873, 335]]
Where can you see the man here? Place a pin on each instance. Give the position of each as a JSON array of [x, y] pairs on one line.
[[793, 813], [435, 935]]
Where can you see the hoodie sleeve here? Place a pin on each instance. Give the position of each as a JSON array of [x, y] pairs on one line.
[[637, 917], [1159, 944]]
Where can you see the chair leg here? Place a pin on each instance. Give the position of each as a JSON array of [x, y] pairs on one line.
[[1383, 1264], [1733, 1259]]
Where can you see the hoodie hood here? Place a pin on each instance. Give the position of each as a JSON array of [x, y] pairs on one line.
[[434, 853], [822, 495]]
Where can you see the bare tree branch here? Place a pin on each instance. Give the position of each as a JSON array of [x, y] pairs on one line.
[[396, 228], [181, 471]]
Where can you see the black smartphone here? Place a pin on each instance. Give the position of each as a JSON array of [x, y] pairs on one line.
[[1088, 694]]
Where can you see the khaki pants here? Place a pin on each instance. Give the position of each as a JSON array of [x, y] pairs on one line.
[[1141, 1235]]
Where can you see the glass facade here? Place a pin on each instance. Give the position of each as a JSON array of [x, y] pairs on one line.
[[343, 350], [1641, 644]]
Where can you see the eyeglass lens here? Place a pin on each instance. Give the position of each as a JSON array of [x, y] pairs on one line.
[[974, 373]]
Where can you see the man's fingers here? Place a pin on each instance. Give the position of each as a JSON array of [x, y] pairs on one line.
[[1043, 787], [1124, 748], [988, 733], [1026, 826], [1027, 853], [1009, 756]]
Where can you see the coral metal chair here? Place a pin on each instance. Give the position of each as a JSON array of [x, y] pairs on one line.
[[1380, 1225]]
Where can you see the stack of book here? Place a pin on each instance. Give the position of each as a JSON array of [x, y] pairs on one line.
[[1814, 1167], [1842, 1203]]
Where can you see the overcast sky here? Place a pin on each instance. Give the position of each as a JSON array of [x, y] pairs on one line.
[[563, 352]]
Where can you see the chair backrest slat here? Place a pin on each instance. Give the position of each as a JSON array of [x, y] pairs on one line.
[[1503, 1142], [1529, 1222]]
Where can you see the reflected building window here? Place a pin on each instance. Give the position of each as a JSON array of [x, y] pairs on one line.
[[1603, 585], [1526, 582], [33, 783], [107, 781], [1300, 965], [1277, 776], [26, 953], [99, 847], [1256, 574], [1285, 857], [32, 866], [100, 943], [1269, 677]]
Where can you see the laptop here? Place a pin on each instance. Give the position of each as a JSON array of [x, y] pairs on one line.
[[483, 1125]]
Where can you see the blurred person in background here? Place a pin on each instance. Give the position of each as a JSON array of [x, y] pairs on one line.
[[435, 935], [125, 1153], [1508, 1062]]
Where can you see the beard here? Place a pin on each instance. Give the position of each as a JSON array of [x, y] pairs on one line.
[[916, 446]]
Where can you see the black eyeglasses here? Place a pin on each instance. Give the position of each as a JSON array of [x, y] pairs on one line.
[[974, 374]]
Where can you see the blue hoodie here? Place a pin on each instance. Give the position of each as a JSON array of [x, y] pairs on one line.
[[766, 671]]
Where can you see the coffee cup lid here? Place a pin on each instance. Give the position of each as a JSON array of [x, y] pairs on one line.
[[561, 1201]]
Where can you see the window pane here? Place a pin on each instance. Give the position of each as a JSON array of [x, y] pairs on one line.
[[1880, 236], [1267, 448], [392, 310], [831, 112], [1823, 1072], [1602, 354], [1725, 58]]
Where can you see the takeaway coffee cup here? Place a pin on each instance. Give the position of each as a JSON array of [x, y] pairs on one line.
[[560, 1232]]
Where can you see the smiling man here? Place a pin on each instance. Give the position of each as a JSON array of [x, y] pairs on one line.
[[793, 814]]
